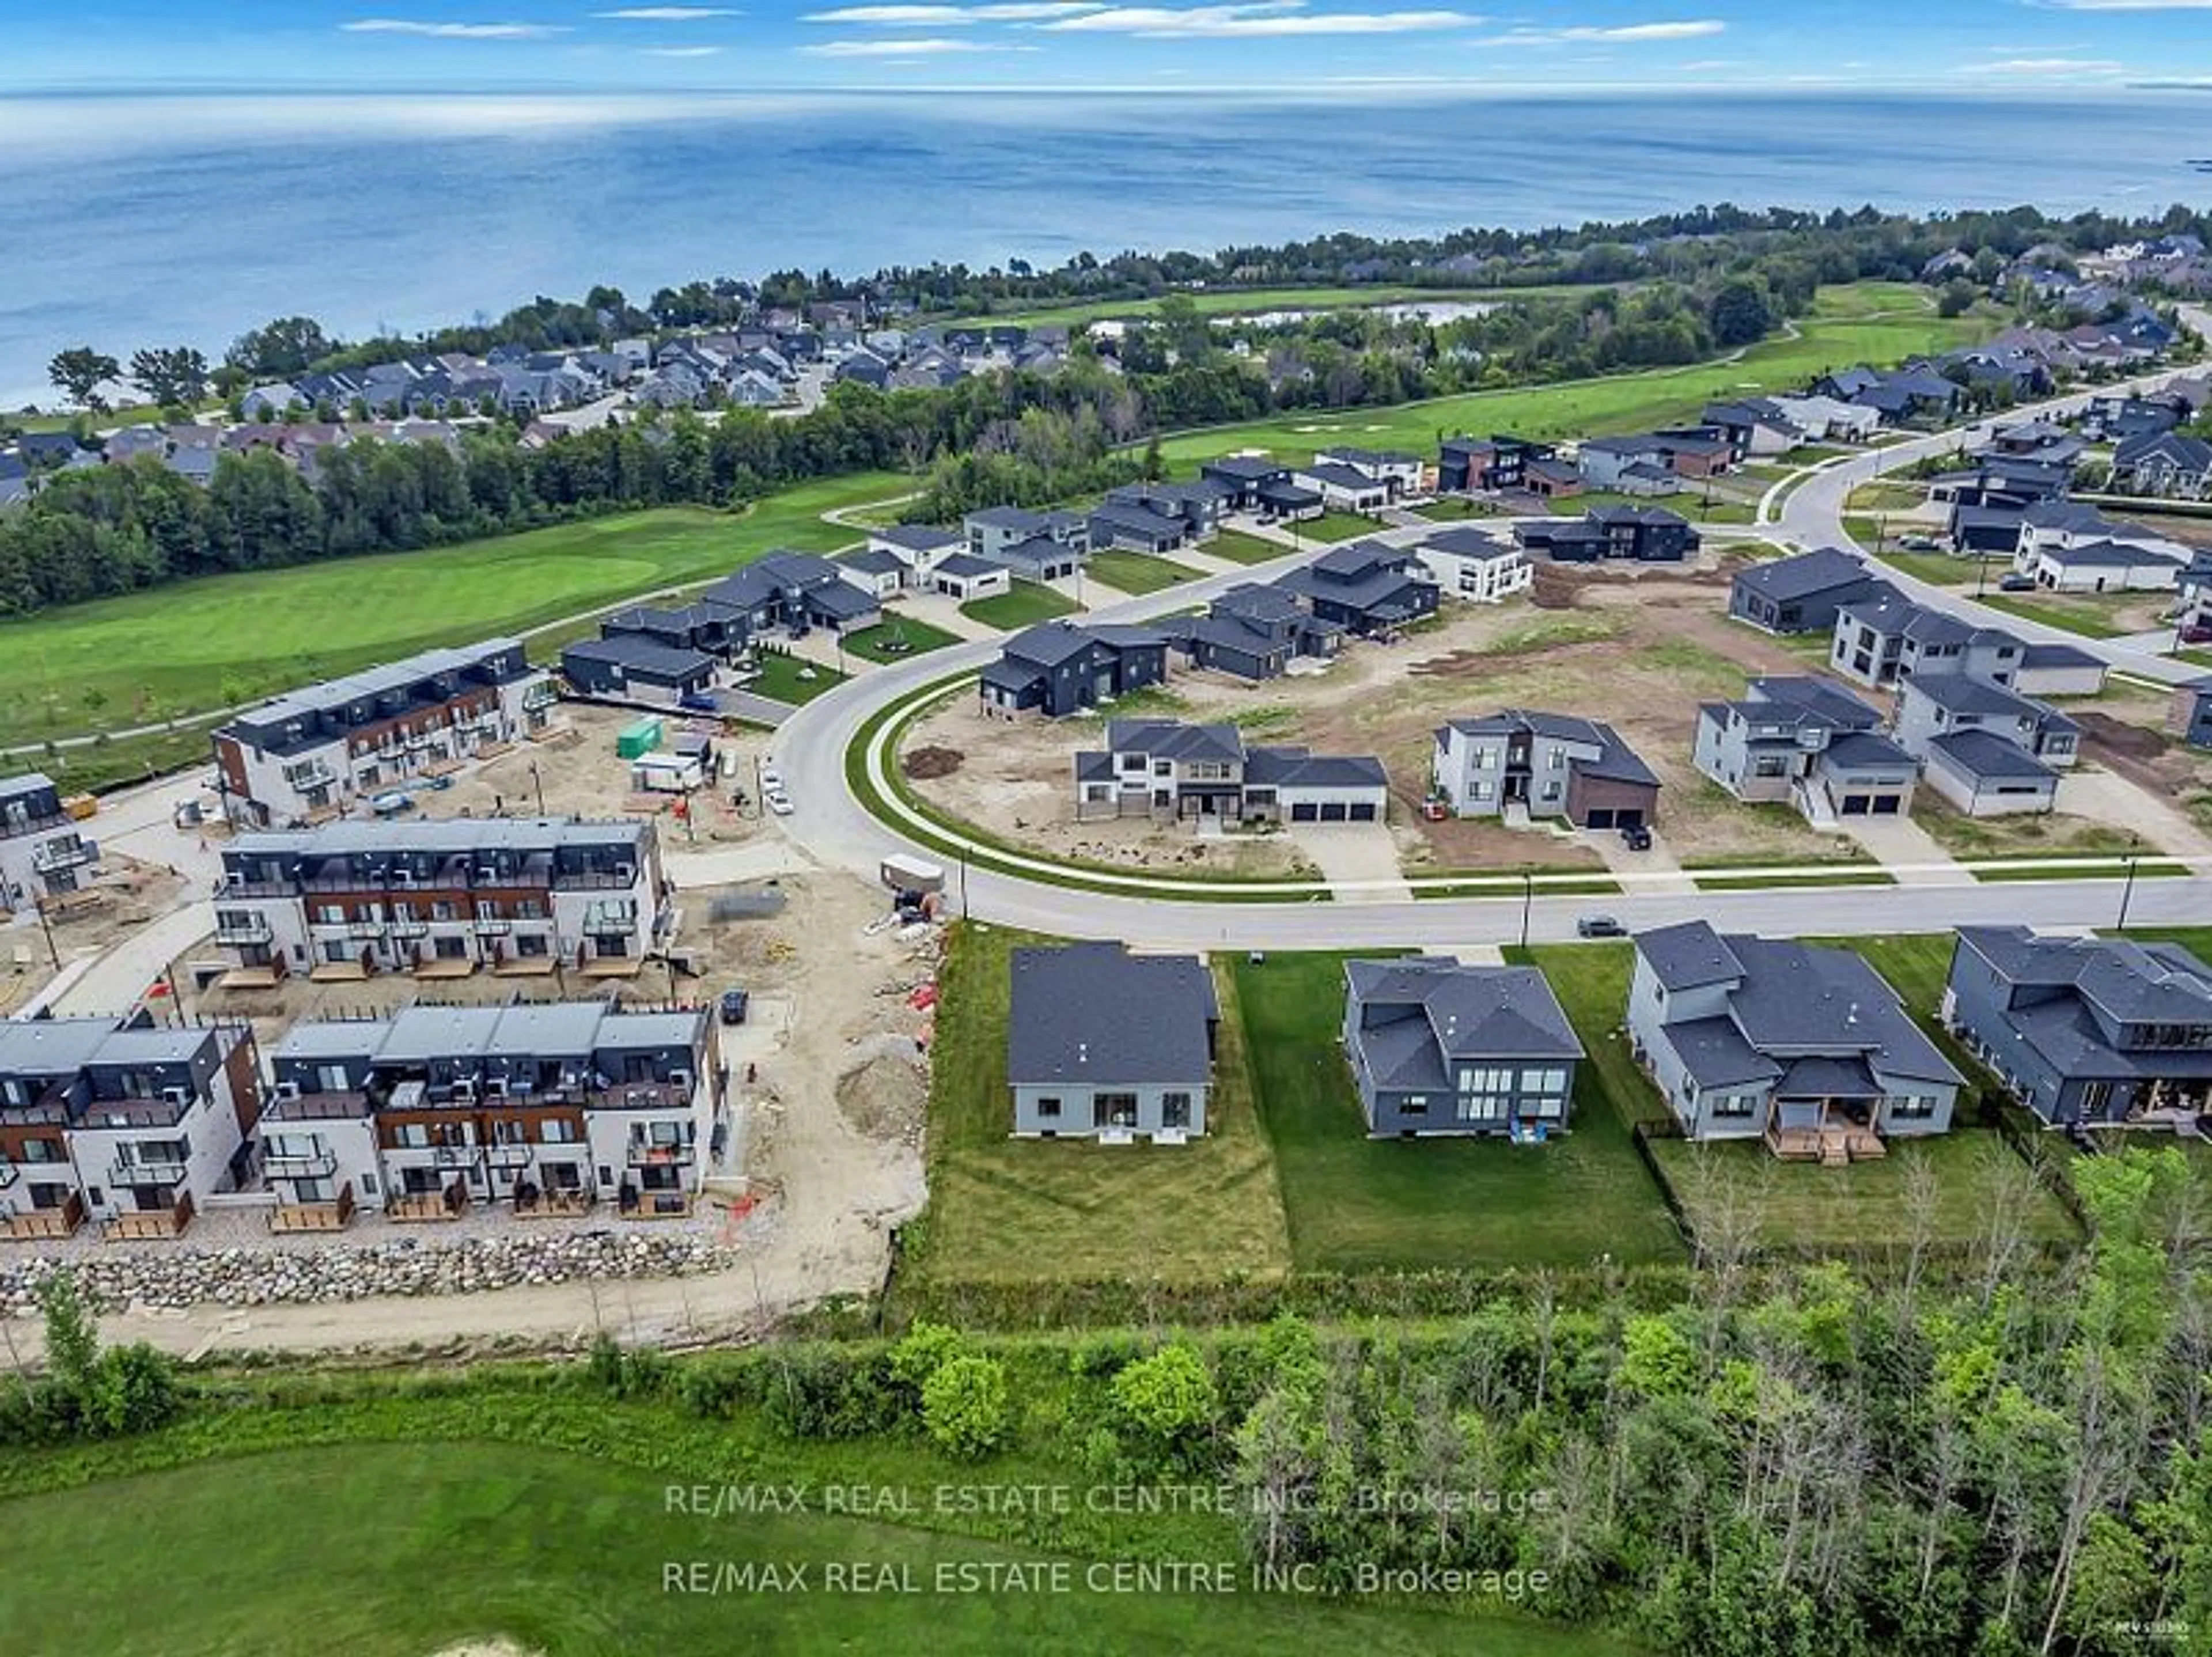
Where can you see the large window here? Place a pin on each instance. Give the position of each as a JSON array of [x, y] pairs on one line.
[[1912, 1107], [1734, 1106], [1174, 1109], [1117, 1110], [1048, 1110]]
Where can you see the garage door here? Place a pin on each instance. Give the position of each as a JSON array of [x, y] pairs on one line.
[[1601, 819], [1628, 820], [1363, 813], [1854, 805], [1886, 805], [1333, 811], [1303, 811]]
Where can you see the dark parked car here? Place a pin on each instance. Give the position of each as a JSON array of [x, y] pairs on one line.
[[699, 701], [735, 1003], [2017, 582], [1635, 837], [1600, 926], [2197, 632]]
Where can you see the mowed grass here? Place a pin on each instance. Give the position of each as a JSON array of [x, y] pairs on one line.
[[1333, 526], [199, 645], [1843, 329], [1024, 606], [1008, 1210], [896, 638], [794, 679], [1240, 548], [419, 1546], [2090, 618], [1358, 1205], [1140, 572]]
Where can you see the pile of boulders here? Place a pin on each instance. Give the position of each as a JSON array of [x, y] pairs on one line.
[[171, 1278]]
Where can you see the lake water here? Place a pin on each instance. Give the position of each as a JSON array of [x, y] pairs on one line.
[[138, 221]]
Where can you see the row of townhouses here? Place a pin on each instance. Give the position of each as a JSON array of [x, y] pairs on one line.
[[43, 853]]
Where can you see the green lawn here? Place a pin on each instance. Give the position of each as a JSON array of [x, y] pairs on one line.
[[1691, 503], [1027, 604], [1140, 572], [1002, 1210], [781, 678], [1240, 548], [1333, 526], [1841, 332], [400, 1549], [915, 634], [1357, 1204], [1937, 568], [2090, 618], [2023, 834], [198, 645]]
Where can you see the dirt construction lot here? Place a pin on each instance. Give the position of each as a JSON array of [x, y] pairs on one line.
[[1637, 650]]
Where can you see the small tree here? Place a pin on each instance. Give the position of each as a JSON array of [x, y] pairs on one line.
[[926, 1349], [963, 1405], [134, 1392], [1170, 1399], [72, 1341]]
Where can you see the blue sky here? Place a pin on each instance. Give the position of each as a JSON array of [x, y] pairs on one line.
[[1971, 47]]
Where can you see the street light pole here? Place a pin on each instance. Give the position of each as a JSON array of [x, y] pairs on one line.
[[2127, 890], [1527, 901]]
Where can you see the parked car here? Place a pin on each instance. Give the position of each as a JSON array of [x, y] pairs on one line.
[[2197, 632], [1600, 926], [1635, 836], [2017, 583], [392, 804], [778, 801], [699, 701], [771, 780], [1918, 544], [735, 1003]]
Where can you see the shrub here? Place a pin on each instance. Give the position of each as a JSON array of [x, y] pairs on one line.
[[1170, 1400], [964, 1405], [134, 1390], [922, 1351]]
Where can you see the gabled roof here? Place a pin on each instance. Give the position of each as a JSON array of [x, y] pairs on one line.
[[1454, 1014], [1824, 570], [1171, 738], [1986, 756], [1688, 956], [1296, 767]]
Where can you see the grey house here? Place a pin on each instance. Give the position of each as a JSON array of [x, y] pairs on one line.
[[1884, 639], [996, 530], [1171, 772], [1543, 764], [1809, 743], [1801, 594], [1935, 705], [1807, 1048], [2103, 1033], [1059, 667], [1253, 631], [1439, 1048], [1104, 1044], [2190, 714]]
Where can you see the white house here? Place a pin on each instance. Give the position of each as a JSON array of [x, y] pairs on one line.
[[1469, 563]]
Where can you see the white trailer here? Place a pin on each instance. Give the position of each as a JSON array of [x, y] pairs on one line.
[[667, 773], [903, 874]]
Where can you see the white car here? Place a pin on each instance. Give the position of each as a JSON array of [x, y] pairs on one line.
[[771, 780], [779, 803]]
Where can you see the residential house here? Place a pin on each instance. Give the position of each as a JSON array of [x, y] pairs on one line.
[[1809, 744], [1545, 764], [1201, 505], [1366, 588], [1266, 487], [1104, 1044], [796, 592], [1828, 419], [994, 530], [2108, 566], [1803, 594], [1061, 667], [1886, 638], [1642, 534], [1755, 427], [2191, 712], [42, 853], [320, 749], [1983, 530], [1805, 1047], [1343, 488], [879, 575], [963, 578], [2087, 1032], [1253, 631], [1135, 527], [1174, 772], [1497, 464], [1988, 751], [1404, 475], [1471, 564], [920, 547], [2171, 464], [541, 1107], [622, 666], [121, 1121], [1437, 1047], [2059, 670], [522, 897]]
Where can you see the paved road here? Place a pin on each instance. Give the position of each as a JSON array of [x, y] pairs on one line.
[[1812, 515], [810, 748]]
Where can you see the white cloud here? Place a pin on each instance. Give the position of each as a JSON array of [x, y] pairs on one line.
[[682, 51], [938, 16], [922, 48], [453, 31], [1254, 19], [2047, 66], [669, 14], [1625, 34]]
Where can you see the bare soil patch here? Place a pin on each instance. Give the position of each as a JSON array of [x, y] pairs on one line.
[[921, 763]]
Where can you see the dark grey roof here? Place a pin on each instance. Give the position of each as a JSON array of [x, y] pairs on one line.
[[635, 653], [1868, 751], [1247, 468], [1465, 1014], [965, 566], [1169, 739], [1818, 701], [874, 562], [1715, 1052], [2056, 655], [1689, 955], [2110, 555], [1824, 570], [1988, 757], [1830, 1001], [1342, 476], [918, 538], [1469, 543], [1959, 693], [1092, 1014], [1294, 767]]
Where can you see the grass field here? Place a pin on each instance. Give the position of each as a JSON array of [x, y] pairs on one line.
[[1847, 326], [2022, 834], [417, 1546], [1937, 568], [2090, 618], [1140, 572], [1239, 548], [1026, 604], [1689, 503], [199, 645], [918, 636], [1017, 1210], [1357, 1204]]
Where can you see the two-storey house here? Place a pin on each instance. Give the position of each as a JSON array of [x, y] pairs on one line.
[[1174, 772], [1439, 1048], [1253, 631], [1063, 667], [1810, 743], [42, 852], [1515, 762], [1366, 588]]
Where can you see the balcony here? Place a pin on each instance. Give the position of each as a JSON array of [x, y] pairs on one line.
[[254, 930], [540, 695], [658, 1205], [150, 1225], [151, 1170], [646, 1155], [417, 1208], [455, 1156], [315, 774], [315, 1165], [46, 1224], [511, 1157], [335, 1215], [368, 929], [56, 855], [491, 926], [554, 1202], [410, 927]]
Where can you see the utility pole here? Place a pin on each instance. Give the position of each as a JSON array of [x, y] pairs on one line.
[[53, 955], [1527, 901], [2128, 890], [539, 785]]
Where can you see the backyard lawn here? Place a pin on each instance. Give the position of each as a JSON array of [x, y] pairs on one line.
[[896, 638], [198, 645], [1332, 526], [1140, 572], [1027, 604], [1845, 328], [2091, 618], [420, 1547], [1239, 548], [1003, 1209], [1357, 1204]]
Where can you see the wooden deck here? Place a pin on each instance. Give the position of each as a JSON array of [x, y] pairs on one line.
[[45, 1225], [1832, 1146], [314, 1216], [150, 1225], [424, 1207]]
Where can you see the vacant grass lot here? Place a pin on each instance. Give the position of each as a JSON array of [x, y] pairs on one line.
[[200, 645], [897, 637], [1239, 548], [1140, 572], [419, 1546], [1845, 328], [1332, 526], [1027, 603], [1357, 1204], [2022, 834], [1002, 1210]]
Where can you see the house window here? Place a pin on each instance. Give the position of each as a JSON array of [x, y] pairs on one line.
[[1130, 762], [1117, 1110], [554, 1130], [1174, 1109], [331, 914], [1917, 1107], [411, 1137], [1414, 1105], [1483, 1108], [1770, 765], [1479, 791], [1048, 1110], [1735, 1105]]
